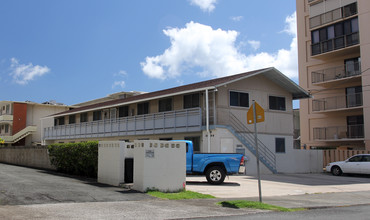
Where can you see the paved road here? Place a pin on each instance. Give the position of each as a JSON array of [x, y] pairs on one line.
[[25, 186], [36, 194], [361, 212]]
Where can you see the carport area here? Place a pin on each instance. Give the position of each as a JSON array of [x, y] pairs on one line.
[[279, 185]]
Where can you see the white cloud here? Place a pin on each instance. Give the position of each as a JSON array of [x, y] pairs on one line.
[[254, 44], [237, 18], [205, 5], [121, 73], [120, 84], [214, 51], [22, 73]]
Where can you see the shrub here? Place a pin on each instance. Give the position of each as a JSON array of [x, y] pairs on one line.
[[75, 158]]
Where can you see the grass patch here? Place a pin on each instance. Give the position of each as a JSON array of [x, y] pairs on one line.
[[180, 195], [255, 205]]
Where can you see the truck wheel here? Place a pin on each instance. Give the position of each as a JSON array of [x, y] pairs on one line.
[[215, 175]]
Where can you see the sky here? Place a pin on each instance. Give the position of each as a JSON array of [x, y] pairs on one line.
[[74, 51]]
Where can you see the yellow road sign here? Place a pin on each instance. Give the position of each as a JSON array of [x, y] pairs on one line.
[[260, 114]]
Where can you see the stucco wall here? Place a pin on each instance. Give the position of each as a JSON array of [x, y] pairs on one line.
[[37, 157]]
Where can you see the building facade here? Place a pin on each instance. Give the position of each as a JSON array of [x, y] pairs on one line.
[[20, 123], [334, 62], [213, 114]]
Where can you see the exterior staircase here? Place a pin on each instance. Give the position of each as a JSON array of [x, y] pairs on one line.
[[19, 135], [246, 137]]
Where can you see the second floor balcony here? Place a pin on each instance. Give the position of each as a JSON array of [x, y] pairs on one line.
[[187, 120], [6, 118], [337, 102], [339, 133], [336, 73]]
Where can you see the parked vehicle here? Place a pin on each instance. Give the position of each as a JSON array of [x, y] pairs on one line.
[[359, 164], [215, 166]]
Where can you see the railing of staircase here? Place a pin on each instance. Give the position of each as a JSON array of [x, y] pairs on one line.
[[245, 134]]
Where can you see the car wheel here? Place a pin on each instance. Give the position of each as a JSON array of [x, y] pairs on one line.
[[336, 171], [215, 175]]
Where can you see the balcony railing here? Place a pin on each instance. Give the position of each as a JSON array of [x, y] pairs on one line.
[[335, 43], [340, 132], [331, 16], [6, 118], [337, 102], [336, 73], [188, 120]]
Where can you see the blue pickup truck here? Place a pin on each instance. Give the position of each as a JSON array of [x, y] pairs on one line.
[[214, 165]]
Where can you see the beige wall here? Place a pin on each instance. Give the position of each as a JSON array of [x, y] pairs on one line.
[[34, 115], [259, 89], [364, 11], [26, 156]]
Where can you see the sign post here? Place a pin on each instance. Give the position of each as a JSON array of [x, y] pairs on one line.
[[258, 116]]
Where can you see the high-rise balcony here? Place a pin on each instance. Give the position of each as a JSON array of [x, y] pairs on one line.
[[187, 120], [336, 73], [337, 102], [339, 133], [335, 43]]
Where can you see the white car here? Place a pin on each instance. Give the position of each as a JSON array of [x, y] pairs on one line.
[[359, 164]]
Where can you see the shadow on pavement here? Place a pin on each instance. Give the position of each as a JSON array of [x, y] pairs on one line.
[[205, 183]]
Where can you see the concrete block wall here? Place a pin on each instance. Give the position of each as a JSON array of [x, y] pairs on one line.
[[111, 161], [159, 165], [32, 156]]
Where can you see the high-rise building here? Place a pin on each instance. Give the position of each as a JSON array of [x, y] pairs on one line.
[[334, 66]]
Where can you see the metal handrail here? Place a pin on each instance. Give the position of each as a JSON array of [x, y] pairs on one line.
[[339, 132], [334, 73], [264, 152], [337, 102], [148, 123]]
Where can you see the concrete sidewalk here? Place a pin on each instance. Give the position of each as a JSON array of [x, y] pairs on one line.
[[279, 185], [165, 209]]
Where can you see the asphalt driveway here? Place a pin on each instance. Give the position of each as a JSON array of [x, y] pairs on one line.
[[24, 186], [280, 185]]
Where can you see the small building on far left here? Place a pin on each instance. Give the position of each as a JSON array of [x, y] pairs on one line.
[[20, 123]]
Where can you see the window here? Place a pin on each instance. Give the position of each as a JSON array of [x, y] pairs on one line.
[[355, 126], [354, 96], [143, 108], [350, 10], [83, 117], [277, 103], [59, 121], [6, 128], [191, 101], [352, 66], [123, 111], [165, 105], [355, 159], [165, 139], [196, 143], [72, 119], [336, 36], [280, 145], [239, 99], [96, 115]]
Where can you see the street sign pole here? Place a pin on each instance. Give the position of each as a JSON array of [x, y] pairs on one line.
[[257, 154]]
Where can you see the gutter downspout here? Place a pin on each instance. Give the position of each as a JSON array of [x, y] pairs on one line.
[[207, 124]]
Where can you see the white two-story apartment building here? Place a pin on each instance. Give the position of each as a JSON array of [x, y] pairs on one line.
[[212, 113], [20, 123]]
